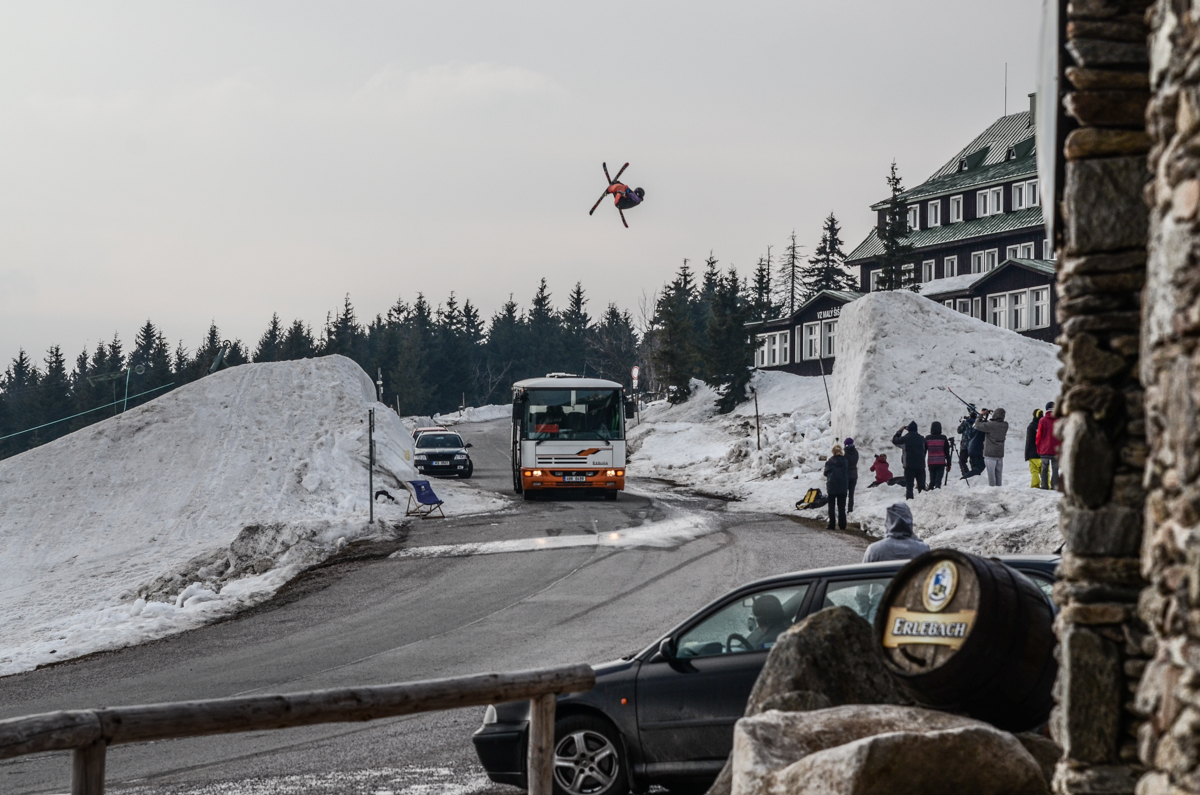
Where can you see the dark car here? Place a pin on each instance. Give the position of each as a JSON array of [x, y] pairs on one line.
[[442, 453], [654, 720]]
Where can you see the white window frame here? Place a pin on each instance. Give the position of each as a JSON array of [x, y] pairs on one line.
[[1039, 307], [996, 201], [964, 306], [998, 309], [977, 261], [914, 218], [760, 356], [977, 308], [956, 214], [784, 348], [908, 272], [1012, 252], [772, 351], [981, 204], [928, 270], [875, 279], [1018, 310], [1047, 249], [948, 303], [950, 267], [991, 258], [1026, 251], [812, 341], [1018, 196], [829, 338], [933, 213], [1032, 197]]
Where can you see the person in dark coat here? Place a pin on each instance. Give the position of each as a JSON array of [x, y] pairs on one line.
[[1031, 452], [974, 444], [937, 452], [837, 484], [851, 461], [912, 458]]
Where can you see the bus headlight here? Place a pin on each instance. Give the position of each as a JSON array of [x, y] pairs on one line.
[[537, 473], [612, 473]]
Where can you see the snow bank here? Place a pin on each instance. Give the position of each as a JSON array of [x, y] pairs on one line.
[[899, 351], [199, 503], [474, 414]]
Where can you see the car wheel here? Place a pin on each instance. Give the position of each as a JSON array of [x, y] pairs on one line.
[[588, 757], [468, 473]]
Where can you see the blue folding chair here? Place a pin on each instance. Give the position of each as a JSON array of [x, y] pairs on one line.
[[422, 501]]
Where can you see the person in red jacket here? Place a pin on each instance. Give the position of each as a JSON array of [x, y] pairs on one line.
[[1047, 447], [882, 473]]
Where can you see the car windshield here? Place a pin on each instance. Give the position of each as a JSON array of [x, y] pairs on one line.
[[439, 440], [752, 623], [573, 414]]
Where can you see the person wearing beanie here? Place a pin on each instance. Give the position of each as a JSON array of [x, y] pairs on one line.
[[1031, 453], [837, 483], [937, 451], [912, 458], [1047, 448], [899, 543], [882, 473], [995, 429], [851, 453]]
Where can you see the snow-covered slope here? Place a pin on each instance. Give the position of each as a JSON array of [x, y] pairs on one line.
[[898, 352], [900, 349], [191, 506]]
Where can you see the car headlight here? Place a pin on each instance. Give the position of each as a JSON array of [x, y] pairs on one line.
[[460, 457], [489, 715], [420, 458]]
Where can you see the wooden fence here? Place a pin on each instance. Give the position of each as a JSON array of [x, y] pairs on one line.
[[89, 732]]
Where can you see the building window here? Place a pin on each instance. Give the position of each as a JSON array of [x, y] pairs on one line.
[[948, 304], [981, 204], [771, 352], [908, 273], [812, 348], [996, 200], [1018, 311], [875, 279], [955, 209], [933, 213], [976, 309], [977, 262], [1012, 252], [1026, 251], [998, 310], [784, 348], [914, 218], [829, 339], [1039, 299], [1018, 196], [964, 306], [950, 268], [927, 270], [760, 356], [989, 259], [1047, 249], [1032, 199]]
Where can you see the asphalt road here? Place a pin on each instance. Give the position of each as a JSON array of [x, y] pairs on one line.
[[407, 618]]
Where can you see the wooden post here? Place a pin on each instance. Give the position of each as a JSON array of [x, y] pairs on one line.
[[87, 769], [541, 745], [371, 463]]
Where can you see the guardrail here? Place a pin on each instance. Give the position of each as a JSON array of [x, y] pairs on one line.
[[89, 732]]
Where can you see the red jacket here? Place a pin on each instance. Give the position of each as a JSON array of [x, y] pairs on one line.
[[1046, 443], [882, 473]]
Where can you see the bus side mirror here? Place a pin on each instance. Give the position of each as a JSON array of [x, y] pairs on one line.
[[518, 412], [630, 409]]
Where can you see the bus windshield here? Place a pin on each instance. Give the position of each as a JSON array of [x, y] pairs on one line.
[[573, 414]]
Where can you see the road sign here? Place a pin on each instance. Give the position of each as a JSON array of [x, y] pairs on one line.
[[634, 372]]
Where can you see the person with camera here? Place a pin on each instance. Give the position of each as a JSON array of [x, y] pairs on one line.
[[994, 430], [972, 443], [912, 458]]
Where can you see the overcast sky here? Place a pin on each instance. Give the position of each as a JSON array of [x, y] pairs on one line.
[[192, 162]]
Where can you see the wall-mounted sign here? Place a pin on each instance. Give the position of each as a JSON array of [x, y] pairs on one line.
[[835, 312]]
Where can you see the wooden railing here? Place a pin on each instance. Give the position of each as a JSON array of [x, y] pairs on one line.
[[89, 732]]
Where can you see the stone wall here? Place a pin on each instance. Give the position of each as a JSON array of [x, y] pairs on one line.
[[1169, 694], [1103, 645]]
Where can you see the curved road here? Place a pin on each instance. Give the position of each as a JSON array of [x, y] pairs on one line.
[[435, 609]]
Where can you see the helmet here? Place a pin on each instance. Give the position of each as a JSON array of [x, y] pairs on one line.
[[641, 193]]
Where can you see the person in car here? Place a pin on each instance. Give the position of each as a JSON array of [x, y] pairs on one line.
[[900, 543], [770, 621]]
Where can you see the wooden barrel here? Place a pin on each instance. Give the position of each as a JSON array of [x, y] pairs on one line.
[[970, 634]]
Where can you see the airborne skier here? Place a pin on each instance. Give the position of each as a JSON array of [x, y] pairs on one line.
[[624, 197]]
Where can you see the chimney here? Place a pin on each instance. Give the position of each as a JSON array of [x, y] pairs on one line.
[[1033, 109]]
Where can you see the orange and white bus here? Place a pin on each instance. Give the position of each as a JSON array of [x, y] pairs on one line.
[[568, 432]]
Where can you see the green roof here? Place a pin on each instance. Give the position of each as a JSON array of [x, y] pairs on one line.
[[961, 181], [844, 295], [950, 233]]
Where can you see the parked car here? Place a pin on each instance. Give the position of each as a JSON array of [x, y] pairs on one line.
[[665, 715], [442, 453]]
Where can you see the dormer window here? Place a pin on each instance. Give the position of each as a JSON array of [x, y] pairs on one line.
[[962, 164], [1011, 154]]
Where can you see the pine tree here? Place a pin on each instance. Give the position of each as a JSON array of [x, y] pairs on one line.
[[344, 335], [408, 374], [897, 252], [613, 346], [298, 342], [677, 357], [827, 267], [545, 335], [791, 275], [271, 342], [53, 398], [575, 326], [730, 347], [762, 304]]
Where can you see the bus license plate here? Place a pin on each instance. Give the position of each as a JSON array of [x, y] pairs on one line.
[[574, 479]]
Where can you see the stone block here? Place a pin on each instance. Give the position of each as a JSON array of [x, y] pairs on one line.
[[1109, 109], [1108, 531], [1114, 321], [1092, 53], [1119, 570], [1090, 79], [1117, 30], [1102, 203], [1088, 460], [1091, 680], [1095, 779], [1087, 361], [1100, 401], [1134, 260], [1095, 614]]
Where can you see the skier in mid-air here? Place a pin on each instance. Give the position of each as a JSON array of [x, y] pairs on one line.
[[624, 197]]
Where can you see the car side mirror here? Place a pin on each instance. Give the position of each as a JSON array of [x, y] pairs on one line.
[[468, 444], [667, 649]]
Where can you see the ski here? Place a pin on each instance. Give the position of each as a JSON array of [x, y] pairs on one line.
[[619, 173], [597, 204], [622, 212], [606, 176]]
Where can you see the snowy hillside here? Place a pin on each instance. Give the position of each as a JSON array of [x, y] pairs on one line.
[[898, 352], [191, 506], [900, 357]]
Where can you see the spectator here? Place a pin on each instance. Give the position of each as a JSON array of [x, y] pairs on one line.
[[880, 468], [852, 462], [837, 483], [899, 543], [1047, 447], [1031, 451], [937, 448], [912, 458], [994, 430]]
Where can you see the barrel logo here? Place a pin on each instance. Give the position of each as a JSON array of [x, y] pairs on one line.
[[906, 627], [940, 585]]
